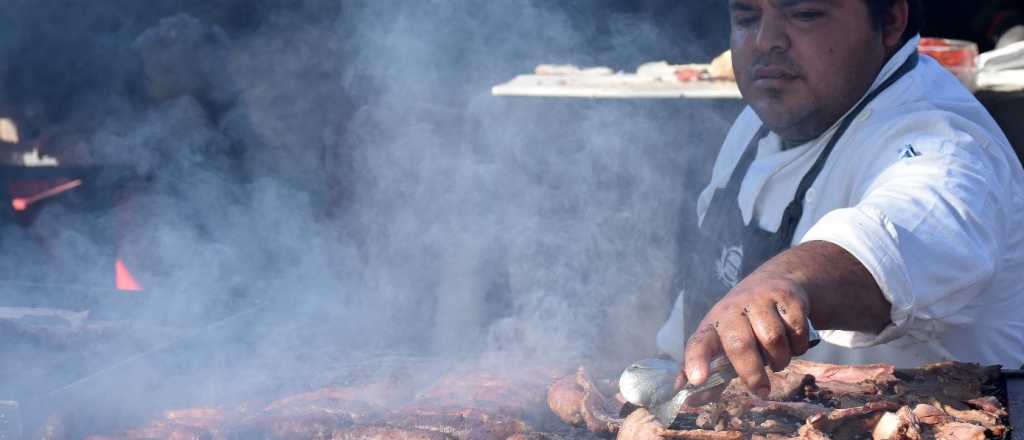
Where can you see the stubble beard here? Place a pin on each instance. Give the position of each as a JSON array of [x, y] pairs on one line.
[[792, 125]]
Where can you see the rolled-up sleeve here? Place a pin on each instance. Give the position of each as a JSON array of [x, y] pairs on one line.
[[928, 230]]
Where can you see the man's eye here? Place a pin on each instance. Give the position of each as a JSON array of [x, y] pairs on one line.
[[807, 15], [745, 19]]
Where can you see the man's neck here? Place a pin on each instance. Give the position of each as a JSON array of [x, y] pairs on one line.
[[786, 145]]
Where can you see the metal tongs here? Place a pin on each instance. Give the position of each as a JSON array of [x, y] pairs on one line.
[[650, 383]]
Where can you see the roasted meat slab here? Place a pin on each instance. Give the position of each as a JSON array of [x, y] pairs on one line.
[[821, 401], [577, 400], [808, 401], [463, 405]]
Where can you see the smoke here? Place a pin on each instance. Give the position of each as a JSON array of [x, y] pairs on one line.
[[342, 164], [574, 206]]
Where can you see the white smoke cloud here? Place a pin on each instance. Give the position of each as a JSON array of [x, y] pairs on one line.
[[344, 164]]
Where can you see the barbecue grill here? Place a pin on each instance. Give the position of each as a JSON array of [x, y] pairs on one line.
[[193, 370]]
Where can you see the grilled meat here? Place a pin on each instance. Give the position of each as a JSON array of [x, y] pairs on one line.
[[789, 385], [808, 401], [959, 431], [367, 397], [821, 401], [848, 422], [900, 425], [294, 426], [989, 404], [474, 405], [385, 433], [163, 430], [515, 393], [577, 400], [641, 425], [461, 424]]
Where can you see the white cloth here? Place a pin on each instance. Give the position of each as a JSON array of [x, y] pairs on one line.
[[926, 192]]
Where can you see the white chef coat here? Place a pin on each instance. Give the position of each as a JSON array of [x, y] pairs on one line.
[[925, 191]]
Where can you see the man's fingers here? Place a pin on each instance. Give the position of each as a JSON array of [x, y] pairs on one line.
[[681, 380], [706, 396], [701, 348], [795, 319], [771, 332], [741, 346]]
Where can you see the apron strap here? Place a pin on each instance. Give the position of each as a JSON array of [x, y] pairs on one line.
[[732, 189], [795, 210]]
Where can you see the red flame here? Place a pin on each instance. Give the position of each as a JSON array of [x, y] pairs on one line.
[[124, 279], [22, 203]]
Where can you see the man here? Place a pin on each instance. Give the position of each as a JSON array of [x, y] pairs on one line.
[[863, 191]]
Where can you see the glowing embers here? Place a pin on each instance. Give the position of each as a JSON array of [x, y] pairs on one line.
[[23, 203]]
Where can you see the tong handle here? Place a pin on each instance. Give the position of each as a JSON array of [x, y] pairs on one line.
[[722, 371], [720, 364]]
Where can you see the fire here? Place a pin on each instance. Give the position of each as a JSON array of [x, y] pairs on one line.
[[124, 280], [22, 203], [19, 204]]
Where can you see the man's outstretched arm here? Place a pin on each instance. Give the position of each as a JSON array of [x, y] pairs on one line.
[[763, 320]]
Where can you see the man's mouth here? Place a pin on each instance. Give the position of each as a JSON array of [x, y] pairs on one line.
[[772, 75]]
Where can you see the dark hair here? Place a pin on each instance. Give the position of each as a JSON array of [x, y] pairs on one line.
[[915, 20]]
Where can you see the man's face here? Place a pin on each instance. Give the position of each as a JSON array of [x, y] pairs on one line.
[[802, 64]]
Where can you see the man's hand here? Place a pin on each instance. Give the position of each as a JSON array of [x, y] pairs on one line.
[[762, 321]]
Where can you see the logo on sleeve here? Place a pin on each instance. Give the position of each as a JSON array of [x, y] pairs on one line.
[[908, 152], [728, 266]]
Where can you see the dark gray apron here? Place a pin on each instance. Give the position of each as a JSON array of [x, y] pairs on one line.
[[728, 249]]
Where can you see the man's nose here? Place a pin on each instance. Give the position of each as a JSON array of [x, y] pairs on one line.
[[772, 35]]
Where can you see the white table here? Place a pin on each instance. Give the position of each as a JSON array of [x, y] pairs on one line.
[[621, 85]]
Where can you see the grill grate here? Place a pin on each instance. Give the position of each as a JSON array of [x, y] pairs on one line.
[[1014, 381]]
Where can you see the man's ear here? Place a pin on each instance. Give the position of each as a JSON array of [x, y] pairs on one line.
[[894, 23]]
